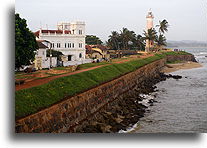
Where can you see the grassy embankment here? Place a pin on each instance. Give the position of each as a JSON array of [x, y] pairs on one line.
[[31, 100], [176, 53]]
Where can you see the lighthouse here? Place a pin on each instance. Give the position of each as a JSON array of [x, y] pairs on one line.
[[149, 17]]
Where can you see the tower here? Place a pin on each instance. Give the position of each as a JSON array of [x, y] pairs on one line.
[[149, 17], [77, 28]]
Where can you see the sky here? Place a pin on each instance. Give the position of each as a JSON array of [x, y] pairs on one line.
[[187, 18]]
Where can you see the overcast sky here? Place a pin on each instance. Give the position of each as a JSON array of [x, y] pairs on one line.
[[187, 18]]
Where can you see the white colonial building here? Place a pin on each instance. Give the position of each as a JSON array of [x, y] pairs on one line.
[[69, 38]]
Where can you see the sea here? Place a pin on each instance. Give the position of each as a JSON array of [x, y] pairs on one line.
[[180, 105]]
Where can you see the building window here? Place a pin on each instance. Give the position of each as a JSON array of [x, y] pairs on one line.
[[80, 32], [68, 45], [69, 57], [58, 45], [43, 53], [65, 45], [80, 45], [52, 45], [73, 45], [80, 55]]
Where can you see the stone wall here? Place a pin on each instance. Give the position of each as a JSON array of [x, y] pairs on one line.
[[171, 58], [71, 112]]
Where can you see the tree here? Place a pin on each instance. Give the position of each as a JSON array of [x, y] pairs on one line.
[[138, 42], [163, 26], [93, 40], [125, 40], [54, 53], [113, 40], [25, 43], [150, 36], [127, 36], [161, 41]]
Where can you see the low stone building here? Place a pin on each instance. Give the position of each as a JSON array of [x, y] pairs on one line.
[[41, 60], [97, 52]]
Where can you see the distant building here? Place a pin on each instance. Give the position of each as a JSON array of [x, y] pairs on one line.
[[69, 38], [97, 52], [150, 25]]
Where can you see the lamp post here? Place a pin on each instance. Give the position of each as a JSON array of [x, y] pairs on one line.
[[50, 55]]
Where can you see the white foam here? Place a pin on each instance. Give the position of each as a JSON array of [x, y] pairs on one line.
[[146, 99], [129, 129], [203, 52]]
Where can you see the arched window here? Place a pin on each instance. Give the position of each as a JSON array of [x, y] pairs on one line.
[[80, 55]]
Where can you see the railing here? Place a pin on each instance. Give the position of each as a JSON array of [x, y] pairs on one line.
[[60, 34]]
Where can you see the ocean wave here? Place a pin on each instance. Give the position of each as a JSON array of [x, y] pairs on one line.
[[130, 129], [203, 53], [146, 99]]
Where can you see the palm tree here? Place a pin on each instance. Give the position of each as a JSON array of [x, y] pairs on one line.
[[161, 41], [126, 36], [150, 36], [163, 26], [138, 42], [114, 40]]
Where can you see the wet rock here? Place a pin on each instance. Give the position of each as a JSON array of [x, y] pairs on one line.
[[174, 76], [125, 111], [106, 128]]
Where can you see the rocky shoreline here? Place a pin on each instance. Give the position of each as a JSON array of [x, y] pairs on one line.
[[123, 112]]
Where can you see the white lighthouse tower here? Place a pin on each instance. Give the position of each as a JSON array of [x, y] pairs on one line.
[[149, 17]]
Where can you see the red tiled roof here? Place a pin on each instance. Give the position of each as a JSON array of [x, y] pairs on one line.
[[37, 33], [88, 47], [102, 47]]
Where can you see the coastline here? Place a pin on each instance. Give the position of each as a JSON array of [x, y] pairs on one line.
[[178, 66], [117, 114]]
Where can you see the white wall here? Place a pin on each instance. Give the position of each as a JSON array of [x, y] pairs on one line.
[[63, 39], [45, 61]]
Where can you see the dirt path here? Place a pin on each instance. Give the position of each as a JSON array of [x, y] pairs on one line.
[[37, 82], [46, 80]]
